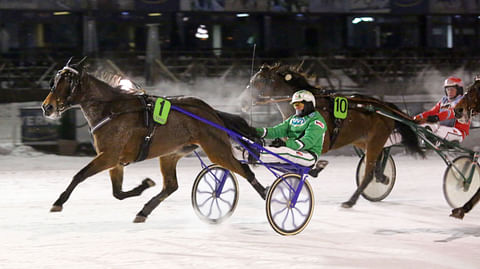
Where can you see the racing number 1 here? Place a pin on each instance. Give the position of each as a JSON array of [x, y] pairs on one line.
[[340, 107]]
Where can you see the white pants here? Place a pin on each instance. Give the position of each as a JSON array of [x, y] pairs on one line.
[[299, 157], [445, 132]]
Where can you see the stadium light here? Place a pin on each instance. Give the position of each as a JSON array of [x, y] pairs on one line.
[[60, 13], [362, 19], [202, 32]]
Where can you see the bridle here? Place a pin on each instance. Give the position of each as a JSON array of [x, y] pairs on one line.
[[73, 77], [262, 98]]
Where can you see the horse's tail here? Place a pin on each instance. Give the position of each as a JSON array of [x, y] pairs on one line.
[[239, 125], [409, 138]]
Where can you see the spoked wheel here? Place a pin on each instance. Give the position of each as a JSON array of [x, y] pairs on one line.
[[382, 183], [285, 217], [460, 181], [209, 202]]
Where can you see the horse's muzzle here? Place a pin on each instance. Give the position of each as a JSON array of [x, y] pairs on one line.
[[47, 110]]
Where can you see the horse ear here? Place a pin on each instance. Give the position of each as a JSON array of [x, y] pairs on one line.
[[80, 64], [298, 68], [69, 60]]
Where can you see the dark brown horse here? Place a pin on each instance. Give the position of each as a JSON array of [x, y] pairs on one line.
[[467, 107], [362, 127], [117, 120]]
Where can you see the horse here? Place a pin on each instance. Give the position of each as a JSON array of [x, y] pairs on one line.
[[362, 128], [468, 106], [117, 119]]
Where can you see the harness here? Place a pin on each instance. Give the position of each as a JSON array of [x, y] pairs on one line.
[[149, 124], [148, 106]]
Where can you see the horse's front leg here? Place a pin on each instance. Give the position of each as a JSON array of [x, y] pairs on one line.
[[116, 176], [168, 166], [460, 212], [101, 162]]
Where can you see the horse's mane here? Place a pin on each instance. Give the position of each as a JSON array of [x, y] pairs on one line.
[[475, 86], [114, 81]]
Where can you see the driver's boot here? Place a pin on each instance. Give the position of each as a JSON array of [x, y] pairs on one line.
[[318, 167]]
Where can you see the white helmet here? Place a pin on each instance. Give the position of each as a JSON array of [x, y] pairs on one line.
[[303, 95], [454, 82]]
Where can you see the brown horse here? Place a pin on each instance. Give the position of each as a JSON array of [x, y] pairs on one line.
[[467, 107], [117, 121], [362, 127]]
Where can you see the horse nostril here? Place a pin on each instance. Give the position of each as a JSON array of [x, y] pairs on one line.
[[47, 109]]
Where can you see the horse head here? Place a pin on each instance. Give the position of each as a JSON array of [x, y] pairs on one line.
[[63, 89], [469, 104], [272, 84]]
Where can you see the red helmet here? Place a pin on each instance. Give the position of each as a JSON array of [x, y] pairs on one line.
[[454, 82]]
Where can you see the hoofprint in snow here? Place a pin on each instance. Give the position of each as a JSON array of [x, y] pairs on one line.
[[409, 229]]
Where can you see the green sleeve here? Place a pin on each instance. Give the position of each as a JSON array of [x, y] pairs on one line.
[[277, 131]]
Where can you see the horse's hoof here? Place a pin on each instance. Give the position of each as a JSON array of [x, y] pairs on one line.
[[348, 204], [139, 219], [56, 208], [457, 213], [265, 192], [149, 182]]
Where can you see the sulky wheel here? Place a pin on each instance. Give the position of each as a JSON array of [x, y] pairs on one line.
[[460, 181], [211, 203], [382, 182], [284, 217]]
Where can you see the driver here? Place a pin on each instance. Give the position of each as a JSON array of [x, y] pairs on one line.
[[305, 132], [440, 119], [448, 126]]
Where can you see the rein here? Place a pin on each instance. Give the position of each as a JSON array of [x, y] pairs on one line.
[[112, 116], [273, 100]]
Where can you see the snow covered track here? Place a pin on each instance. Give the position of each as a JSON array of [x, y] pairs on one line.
[[410, 229]]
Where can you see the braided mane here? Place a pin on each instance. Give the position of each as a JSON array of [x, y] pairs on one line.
[[114, 81]]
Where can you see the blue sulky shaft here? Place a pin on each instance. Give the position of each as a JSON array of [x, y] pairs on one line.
[[291, 165]]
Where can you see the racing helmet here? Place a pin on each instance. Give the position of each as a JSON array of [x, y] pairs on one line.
[[303, 96], [454, 82]]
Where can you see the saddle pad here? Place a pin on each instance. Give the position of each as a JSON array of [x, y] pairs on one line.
[[340, 107], [161, 110]]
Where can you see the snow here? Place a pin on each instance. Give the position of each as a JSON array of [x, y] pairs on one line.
[[409, 229]]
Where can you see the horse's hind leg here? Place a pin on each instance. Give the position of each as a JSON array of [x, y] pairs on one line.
[[168, 167], [460, 212], [221, 153], [116, 176], [374, 149]]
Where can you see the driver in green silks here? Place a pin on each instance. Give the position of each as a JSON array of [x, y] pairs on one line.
[[305, 132]]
